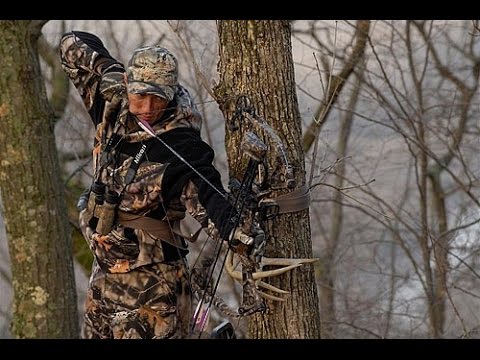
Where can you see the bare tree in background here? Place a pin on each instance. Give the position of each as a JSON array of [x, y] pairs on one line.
[[44, 304], [431, 109], [350, 55], [405, 264], [332, 55]]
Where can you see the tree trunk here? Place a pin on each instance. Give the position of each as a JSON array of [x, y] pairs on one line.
[[256, 60], [44, 301]]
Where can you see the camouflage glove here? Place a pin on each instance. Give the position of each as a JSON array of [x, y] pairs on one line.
[[112, 86], [248, 245], [241, 243]]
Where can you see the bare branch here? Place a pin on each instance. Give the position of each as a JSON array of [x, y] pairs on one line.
[[337, 83], [35, 27]]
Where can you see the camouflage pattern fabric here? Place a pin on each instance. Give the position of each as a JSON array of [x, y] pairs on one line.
[[153, 70], [132, 291], [119, 251], [152, 302]]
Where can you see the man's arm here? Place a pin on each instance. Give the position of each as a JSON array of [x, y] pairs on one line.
[[97, 76]]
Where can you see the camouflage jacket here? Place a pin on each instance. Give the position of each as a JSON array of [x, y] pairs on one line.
[[163, 187]]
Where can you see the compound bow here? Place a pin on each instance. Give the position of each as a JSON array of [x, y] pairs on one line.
[[255, 206]]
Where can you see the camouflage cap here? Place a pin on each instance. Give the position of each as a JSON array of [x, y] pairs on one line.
[[152, 70]]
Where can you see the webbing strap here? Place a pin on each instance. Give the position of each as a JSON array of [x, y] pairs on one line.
[[157, 228], [294, 201]]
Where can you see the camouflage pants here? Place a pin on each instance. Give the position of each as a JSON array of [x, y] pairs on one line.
[[149, 302]]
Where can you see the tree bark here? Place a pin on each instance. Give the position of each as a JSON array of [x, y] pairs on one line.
[[39, 239], [256, 60]]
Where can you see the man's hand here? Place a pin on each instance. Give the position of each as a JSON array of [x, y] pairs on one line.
[[242, 237], [241, 243], [247, 245]]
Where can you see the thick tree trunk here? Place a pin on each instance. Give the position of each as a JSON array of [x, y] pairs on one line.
[[44, 303], [256, 60]]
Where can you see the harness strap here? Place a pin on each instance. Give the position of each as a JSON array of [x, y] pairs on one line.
[[294, 201], [157, 228]]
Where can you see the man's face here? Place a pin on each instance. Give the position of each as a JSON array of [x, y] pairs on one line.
[[147, 107]]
